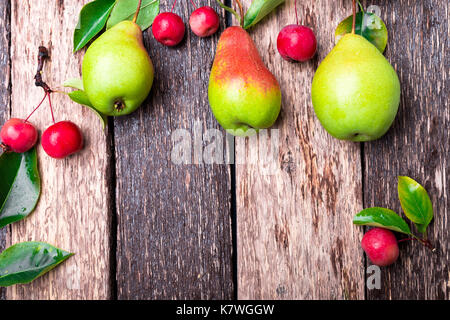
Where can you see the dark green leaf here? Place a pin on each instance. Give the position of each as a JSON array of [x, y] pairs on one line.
[[383, 218], [258, 10], [415, 202], [92, 19], [125, 10], [20, 185], [369, 25], [26, 261]]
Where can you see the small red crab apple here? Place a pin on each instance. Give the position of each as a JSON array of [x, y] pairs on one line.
[[18, 135], [62, 139], [380, 246], [204, 21], [296, 42], [168, 29]]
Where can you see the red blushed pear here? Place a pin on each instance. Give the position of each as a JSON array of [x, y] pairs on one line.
[[242, 92]]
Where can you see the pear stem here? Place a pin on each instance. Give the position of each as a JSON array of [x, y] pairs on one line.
[[137, 11], [241, 12], [354, 17]]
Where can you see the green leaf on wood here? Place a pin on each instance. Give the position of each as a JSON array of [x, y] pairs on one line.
[[369, 25], [415, 202], [125, 10], [20, 185], [258, 10], [383, 218], [80, 97], [92, 19], [26, 261]]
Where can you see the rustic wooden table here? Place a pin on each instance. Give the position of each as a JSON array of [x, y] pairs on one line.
[[143, 227]]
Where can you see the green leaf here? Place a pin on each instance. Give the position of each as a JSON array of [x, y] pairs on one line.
[[258, 10], [74, 83], [125, 10], [20, 185], [369, 25], [92, 19], [79, 96], [415, 202], [26, 261], [383, 218]]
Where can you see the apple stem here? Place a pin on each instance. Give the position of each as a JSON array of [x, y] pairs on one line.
[[173, 5], [137, 11], [424, 242], [241, 12], [51, 108], [40, 103], [4, 147], [38, 82], [354, 17], [192, 2], [296, 14]]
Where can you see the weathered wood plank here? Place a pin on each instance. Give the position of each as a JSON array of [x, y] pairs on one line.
[[174, 226], [417, 145], [73, 209], [295, 237], [4, 87]]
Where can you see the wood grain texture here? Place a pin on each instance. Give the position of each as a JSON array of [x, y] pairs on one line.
[[4, 87], [295, 237], [174, 225], [417, 145], [73, 209]]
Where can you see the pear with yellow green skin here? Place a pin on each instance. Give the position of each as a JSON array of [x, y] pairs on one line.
[[117, 70], [355, 91]]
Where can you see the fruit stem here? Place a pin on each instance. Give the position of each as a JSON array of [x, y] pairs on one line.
[[173, 6], [137, 11], [40, 103], [354, 17], [241, 12], [296, 14], [192, 2], [51, 108], [4, 147], [424, 242]]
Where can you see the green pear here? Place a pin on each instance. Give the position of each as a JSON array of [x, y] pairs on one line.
[[355, 91], [242, 92], [117, 71]]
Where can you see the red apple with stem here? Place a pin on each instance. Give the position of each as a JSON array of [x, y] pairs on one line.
[[296, 42], [168, 28]]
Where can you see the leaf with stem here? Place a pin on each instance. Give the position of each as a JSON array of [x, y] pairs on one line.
[[126, 9], [383, 218], [92, 19], [415, 202]]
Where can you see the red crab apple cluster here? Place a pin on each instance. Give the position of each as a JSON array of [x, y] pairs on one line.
[[168, 27], [59, 140]]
